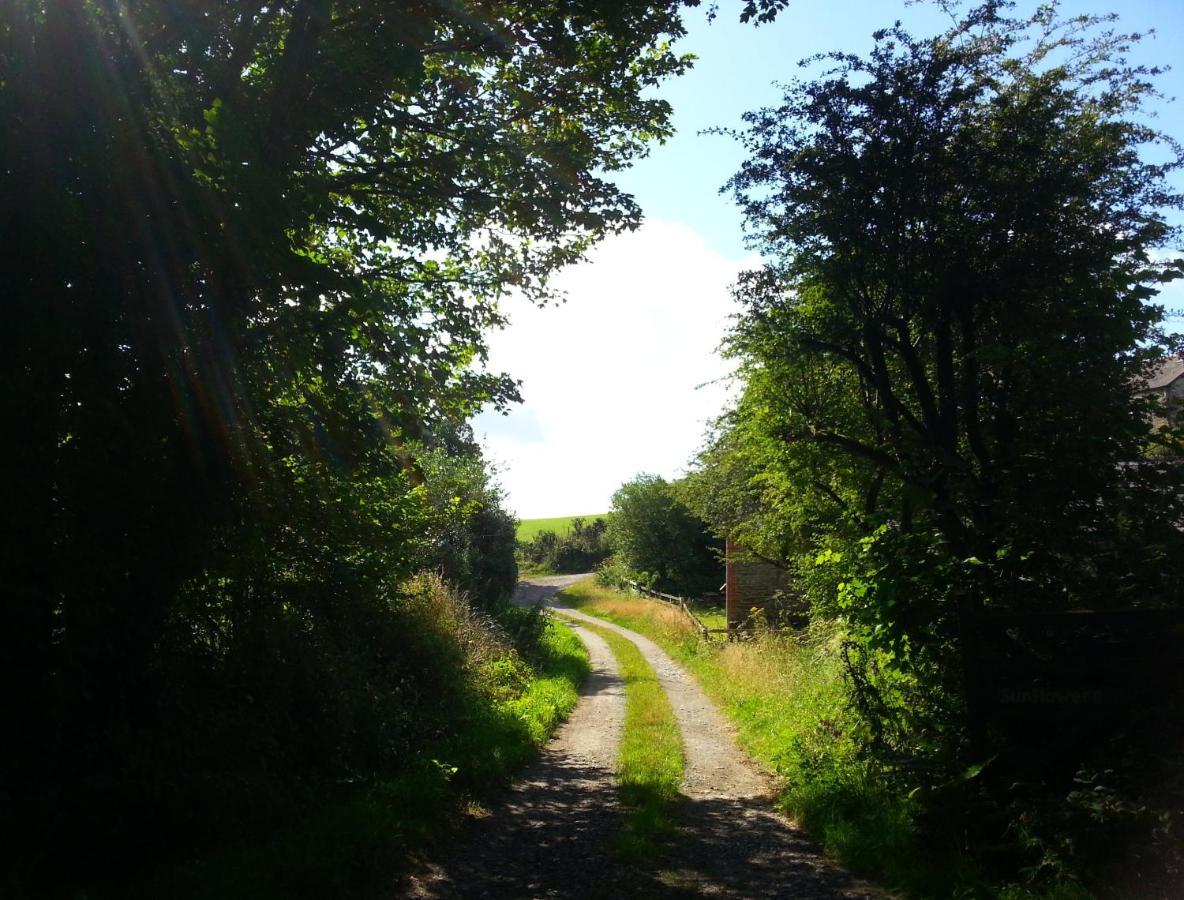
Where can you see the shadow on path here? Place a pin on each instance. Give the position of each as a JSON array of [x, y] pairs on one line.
[[553, 832], [742, 848], [548, 840], [553, 837]]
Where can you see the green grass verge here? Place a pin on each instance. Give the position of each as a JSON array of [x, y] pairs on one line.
[[528, 529], [710, 614], [787, 699], [650, 759], [358, 839]]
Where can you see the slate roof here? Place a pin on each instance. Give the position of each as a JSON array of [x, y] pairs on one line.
[[1166, 372]]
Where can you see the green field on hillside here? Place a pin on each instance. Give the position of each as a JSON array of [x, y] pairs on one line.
[[528, 528]]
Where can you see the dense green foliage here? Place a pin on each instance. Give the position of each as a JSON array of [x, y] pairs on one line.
[[493, 707], [474, 548], [656, 540], [941, 358], [581, 548], [941, 362], [251, 250]]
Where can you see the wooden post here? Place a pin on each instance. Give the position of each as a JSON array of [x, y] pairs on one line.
[[733, 612]]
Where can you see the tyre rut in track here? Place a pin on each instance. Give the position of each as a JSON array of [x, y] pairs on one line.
[[553, 835]]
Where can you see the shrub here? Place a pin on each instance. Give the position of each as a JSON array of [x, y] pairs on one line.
[[654, 536], [582, 549]]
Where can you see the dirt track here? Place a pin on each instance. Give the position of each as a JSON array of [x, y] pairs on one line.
[[552, 836]]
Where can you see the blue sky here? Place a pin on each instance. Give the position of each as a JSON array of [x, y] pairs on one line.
[[623, 378], [739, 66]]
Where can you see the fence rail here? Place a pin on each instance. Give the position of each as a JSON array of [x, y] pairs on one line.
[[680, 602]]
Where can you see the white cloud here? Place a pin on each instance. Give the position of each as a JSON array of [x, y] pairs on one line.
[[617, 380], [612, 379]]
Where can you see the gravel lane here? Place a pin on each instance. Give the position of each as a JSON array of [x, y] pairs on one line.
[[552, 837], [556, 824], [732, 842], [714, 765]]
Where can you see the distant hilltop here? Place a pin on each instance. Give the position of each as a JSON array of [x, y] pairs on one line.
[[561, 525]]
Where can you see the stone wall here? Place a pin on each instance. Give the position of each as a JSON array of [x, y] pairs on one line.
[[1173, 396]]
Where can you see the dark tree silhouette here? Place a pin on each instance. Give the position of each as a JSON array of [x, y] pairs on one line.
[[249, 253]]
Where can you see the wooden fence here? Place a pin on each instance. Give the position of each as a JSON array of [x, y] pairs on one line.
[[681, 603]]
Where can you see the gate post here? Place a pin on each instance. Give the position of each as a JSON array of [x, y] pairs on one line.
[[735, 615]]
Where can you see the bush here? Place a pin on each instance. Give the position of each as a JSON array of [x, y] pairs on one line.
[[306, 710], [472, 539], [506, 699], [582, 549], [612, 574]]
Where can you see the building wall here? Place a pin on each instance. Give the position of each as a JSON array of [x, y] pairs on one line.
[[731, 585], [750, 584], [1173, 396]]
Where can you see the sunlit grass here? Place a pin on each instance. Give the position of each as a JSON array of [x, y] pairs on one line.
[[650, 758], [528, 529], [711, 615], [649, 617]]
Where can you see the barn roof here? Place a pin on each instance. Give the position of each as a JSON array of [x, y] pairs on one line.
[[1166, 372]]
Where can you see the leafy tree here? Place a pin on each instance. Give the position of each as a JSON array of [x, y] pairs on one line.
[[659, 541], [472, 536], [942, 355], [586, 546], [251, 252]]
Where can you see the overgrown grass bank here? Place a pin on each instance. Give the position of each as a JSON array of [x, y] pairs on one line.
[[650, 759], [786, 695], [513, 683]]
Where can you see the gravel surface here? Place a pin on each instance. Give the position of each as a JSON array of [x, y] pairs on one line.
[[554, 827], [715, 767], [552, 837]]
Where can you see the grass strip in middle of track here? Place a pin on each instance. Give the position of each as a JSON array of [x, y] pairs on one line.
[[650, 759]]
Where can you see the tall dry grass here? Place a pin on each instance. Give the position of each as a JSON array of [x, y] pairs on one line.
[[608, 604]]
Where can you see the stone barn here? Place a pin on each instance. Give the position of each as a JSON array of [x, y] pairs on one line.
[[1168, 382], [751, 584]]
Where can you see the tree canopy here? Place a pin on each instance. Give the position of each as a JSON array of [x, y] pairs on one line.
[[942, 356], [251, 252], [657, 540]]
